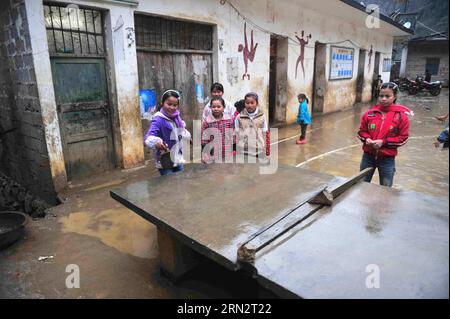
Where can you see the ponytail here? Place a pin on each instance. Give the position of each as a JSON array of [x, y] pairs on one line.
[[303, 97]]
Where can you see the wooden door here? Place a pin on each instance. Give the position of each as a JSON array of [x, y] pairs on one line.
[[184, 72], [360, 76], [376, 67], [175, 54], [84, 115], [190, 71], [273, 79], [320, 82]]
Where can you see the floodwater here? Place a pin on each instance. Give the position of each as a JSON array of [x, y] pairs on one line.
[[333, 148], [116, 228]]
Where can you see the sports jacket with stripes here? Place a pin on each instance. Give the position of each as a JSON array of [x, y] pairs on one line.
[[392, 127]]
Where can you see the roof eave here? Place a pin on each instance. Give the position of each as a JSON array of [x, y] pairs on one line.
[[384, 18]]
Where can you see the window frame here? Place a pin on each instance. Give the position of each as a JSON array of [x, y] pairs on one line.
[[161, 34], [432, 66], [92, 37]]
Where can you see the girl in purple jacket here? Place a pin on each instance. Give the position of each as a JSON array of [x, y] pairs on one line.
[[166, 133]]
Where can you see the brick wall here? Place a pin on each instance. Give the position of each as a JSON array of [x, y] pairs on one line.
[[419, 52], [24, 155]]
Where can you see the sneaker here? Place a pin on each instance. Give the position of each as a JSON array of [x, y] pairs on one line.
[[302, 141], [299, 141]]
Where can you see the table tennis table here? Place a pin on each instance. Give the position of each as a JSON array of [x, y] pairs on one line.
[[399, 236]]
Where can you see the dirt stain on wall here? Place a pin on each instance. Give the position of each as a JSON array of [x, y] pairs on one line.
[[339, 95], [292, 102], [262, 89], [131, 132]]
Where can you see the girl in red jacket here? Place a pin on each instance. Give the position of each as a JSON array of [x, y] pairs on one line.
[[383, 129]]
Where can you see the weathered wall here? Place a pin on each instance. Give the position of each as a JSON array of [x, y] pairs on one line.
[[368, 77], [419, 52], [24, 152], [281, 79], [285, 18], [332, 30], [46, 94], [121, 50], [122, 80]]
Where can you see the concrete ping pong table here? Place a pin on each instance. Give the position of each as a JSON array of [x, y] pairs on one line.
[[372, 242]]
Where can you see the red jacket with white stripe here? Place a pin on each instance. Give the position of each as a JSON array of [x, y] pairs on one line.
[[392, 127]]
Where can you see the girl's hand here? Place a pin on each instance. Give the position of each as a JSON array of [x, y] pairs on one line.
[[206, 159], [162, 146], [369, 141], [377, 144]]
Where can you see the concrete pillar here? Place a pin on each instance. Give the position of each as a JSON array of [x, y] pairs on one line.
[[44, 81], [403, 61], [124, 80]]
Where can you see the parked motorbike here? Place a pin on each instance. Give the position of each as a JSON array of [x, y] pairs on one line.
[[403, 84], [420, 85]]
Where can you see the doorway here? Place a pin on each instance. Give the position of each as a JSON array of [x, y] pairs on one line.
[[360, 76], [320, 82], [376, 67], [174, 54], [77, 55], [278, 80]]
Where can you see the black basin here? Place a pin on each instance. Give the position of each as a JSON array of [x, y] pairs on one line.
[[12, 226]]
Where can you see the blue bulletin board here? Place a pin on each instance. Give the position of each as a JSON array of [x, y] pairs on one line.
[[147, 103], [341, 63]]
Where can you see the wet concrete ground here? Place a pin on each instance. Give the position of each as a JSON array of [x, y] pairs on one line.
[[334, 149], [116, 250]]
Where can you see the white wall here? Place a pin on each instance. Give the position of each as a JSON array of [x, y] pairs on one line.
[[41, 61], [123, 78], [121, 50], [282, 17]]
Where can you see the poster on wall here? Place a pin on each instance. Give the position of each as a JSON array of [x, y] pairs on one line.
[[341, 66], [199, 93], [147, 103]]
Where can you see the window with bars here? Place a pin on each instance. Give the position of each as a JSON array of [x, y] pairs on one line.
[[157, 33], [74, 30], [432, 65]]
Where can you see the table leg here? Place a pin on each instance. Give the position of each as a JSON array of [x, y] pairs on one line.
[[176, 259]]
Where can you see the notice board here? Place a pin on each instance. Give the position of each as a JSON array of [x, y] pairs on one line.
[[341, 66]]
